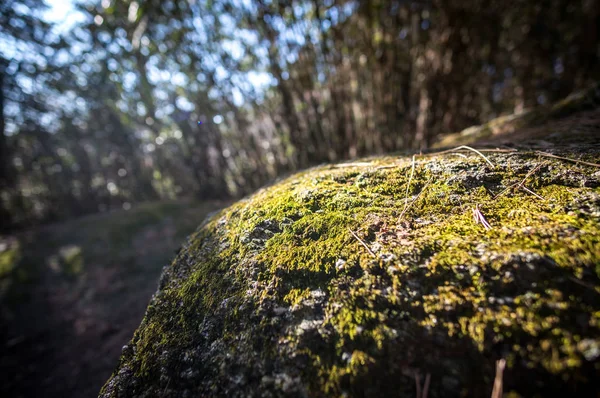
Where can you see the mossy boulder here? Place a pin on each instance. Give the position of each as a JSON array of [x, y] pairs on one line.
[[389, 276]]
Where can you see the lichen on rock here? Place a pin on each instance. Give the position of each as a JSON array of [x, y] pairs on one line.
[[359, 279]]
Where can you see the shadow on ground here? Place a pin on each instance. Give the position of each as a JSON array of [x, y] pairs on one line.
[[72, 294]]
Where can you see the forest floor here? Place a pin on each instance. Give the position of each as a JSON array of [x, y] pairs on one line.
[[71, 294]]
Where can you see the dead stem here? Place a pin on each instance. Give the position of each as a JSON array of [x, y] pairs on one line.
[[422, 393], [531, 192], [406, 208], [462, 155], [355, 164], [418, 383], [521, 185], [426, 386], [362, 243], [412, 172], [497, 390], [470, 149], [479, 218], [549, 155]]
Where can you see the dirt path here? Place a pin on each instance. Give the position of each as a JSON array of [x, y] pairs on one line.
[[76, 291]]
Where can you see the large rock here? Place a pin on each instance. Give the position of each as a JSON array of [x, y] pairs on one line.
[[389, 276]]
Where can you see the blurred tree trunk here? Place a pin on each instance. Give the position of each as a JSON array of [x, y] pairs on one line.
[[6, 176], [123, 136]]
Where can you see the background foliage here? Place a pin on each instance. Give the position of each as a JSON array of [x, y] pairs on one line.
[[146, 100]]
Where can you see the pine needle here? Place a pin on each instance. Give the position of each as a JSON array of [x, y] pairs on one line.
[[497, 390], [549, 155], [354, 164], [476, 151], [406, 208], [521, 185], [362, 243], [412, 172], [479, 218]]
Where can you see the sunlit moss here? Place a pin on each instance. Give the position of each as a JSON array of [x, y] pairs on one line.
[[283, 278], [9, 258], [71, 258]]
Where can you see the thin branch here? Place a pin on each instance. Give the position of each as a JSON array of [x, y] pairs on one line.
[[479, 218], [471, 149], [497, 390], [355, 164], [462, 155], [426, 386], [413, 201], [362, 243], [521, 185], [536, 168], [418, 383], [495, 150], [549, 155], [531, 192], [477, 152], [422, 393], [498, 150], [412, 172]]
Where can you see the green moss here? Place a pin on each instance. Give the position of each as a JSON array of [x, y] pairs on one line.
[[71, 258], [280, 281], [9, 258]]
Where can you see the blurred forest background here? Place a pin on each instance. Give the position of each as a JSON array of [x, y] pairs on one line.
[[152, 114], [127, 101]]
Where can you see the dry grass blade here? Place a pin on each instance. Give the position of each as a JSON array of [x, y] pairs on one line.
[[362, 243], [498, 150], [412, 172], [418, 383], [479, 218], [422, 393], [478, 152], [406, 208], [521, 185], [549, 155], [462, 155], [497, 390], [531, 192], [355, 164], [536, 168], [426, 386]]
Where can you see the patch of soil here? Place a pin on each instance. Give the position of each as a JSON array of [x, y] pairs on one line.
[[63, 335]]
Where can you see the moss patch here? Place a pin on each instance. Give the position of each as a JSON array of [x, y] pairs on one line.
[[277, 294]]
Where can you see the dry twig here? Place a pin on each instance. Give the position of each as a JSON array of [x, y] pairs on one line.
[[497, 390], [354, 164], [479, 218], [406, 208], [422, 393], [362, 243], [549, 155], [472, 150], [521, 185], [412, 172]]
